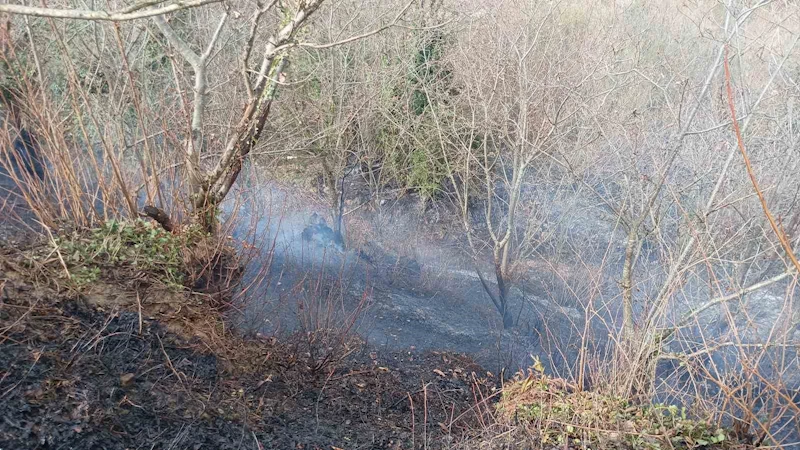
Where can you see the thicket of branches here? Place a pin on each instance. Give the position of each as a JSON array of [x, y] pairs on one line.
[[514, 115]]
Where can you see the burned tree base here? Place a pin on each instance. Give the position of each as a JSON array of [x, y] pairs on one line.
[[213, 270]]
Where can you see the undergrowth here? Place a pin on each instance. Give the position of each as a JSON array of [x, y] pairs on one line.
[[553, 413], [137, 244]]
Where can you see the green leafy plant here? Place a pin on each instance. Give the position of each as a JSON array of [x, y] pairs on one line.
[[137, 244]]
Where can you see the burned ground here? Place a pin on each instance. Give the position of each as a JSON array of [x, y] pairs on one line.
[[76, 374], [122, 356]]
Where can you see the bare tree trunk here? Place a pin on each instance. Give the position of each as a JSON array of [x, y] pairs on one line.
[[216, 185], [335, 196], [499, 301], [631, 247]]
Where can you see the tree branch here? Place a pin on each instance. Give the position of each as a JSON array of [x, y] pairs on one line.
[[139, 6], [393, 23], [719, 300], [214, 38], [183, 48], [248, 48], [129, 13]]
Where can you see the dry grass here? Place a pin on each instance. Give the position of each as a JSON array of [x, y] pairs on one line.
[[535, 411]]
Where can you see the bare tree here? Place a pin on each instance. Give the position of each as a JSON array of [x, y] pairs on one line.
[[209, 185], [516, 105]]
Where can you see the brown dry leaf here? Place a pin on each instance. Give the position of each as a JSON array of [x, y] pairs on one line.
[[439, 372], [383, 369], [126, 379]]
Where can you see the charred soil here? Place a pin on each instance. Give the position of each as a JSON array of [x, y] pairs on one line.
[[129, 365]]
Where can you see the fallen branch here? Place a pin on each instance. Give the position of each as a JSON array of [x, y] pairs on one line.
[[160, 216]]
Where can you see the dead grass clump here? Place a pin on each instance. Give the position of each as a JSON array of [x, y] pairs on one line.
[[181, 279], [549, 412]]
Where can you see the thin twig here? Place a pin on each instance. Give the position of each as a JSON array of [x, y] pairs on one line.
[[779, 232], [169, 361], [139, 305], [58, 252], [37, 356]]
